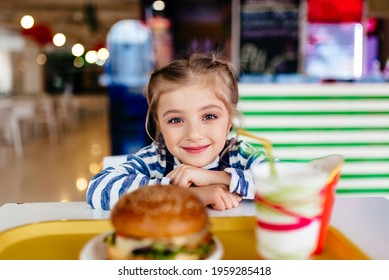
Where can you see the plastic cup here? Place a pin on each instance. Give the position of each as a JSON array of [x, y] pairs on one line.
[[333, 165], [293, 208]]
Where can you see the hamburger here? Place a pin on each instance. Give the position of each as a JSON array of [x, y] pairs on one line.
[[158, 223]]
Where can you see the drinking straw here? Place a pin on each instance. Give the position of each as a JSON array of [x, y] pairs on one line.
[[266, 144]]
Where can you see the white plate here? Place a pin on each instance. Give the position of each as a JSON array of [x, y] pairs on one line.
[[95, 249]]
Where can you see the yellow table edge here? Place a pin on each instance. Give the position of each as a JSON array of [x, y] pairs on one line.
[[219, 225]]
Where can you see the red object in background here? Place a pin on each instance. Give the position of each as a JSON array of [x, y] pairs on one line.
[[41, 33], [335, 11], [372, 25], [99, 45]]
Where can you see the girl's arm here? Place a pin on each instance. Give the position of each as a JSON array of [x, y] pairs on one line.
[[241, 182], [186, 175], [105, 188], [241, 159], [238, 177]]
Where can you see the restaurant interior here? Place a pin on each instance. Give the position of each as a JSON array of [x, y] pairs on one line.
[[59, 108], [313, 81]]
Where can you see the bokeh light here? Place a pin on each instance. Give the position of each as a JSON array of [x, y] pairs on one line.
[[91, 57], [81, 184], [27, 22], [78, 50], [103, 54], [41, 59], [78, 62], [159, 5], [59, 39], [94, 168], [96, 149]]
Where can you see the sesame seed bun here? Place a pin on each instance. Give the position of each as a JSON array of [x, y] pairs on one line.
[[159, 212]]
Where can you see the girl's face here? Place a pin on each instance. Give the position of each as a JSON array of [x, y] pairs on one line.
[[194, 124]]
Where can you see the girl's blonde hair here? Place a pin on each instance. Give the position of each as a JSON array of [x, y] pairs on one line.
[[207, 70]]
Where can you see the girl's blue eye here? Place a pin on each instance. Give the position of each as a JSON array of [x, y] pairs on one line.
[[174, 120], [209, 117]]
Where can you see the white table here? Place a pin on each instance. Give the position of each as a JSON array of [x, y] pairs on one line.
[[364, 220]]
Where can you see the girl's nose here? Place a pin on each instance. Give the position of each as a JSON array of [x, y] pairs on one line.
[[194, 131]]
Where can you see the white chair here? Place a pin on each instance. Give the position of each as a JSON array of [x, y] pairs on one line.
[[67, 114], [113, 160], [35, 113], [45, 115], [9, 127]]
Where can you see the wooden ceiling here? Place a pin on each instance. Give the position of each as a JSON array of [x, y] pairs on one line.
[[84, 21]]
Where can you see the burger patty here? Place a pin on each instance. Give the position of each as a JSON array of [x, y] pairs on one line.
[[193, 246]]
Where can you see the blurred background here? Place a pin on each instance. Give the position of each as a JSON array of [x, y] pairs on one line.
[[72, 75]]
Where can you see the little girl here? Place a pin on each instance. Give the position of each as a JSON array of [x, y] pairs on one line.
[[192, 105]]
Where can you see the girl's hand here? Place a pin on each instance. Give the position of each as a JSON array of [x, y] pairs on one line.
[[186, 176], [218, 196]]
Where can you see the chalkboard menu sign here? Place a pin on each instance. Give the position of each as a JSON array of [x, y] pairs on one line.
[[269, 32]]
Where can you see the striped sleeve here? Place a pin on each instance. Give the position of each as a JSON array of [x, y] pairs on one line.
[[146, 167], [242, 156]]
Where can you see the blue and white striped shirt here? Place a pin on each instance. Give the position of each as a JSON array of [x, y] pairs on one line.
[[147, 167]]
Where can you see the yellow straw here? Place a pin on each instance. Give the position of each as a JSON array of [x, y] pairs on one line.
[[266, 144]]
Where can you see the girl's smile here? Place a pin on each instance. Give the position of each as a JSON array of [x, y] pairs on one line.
[[196, 150]]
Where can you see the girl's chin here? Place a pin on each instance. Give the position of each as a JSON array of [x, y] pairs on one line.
[[196, 163]]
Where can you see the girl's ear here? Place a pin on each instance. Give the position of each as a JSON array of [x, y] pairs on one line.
[[230, 128], [152, 127], [158, 133]]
